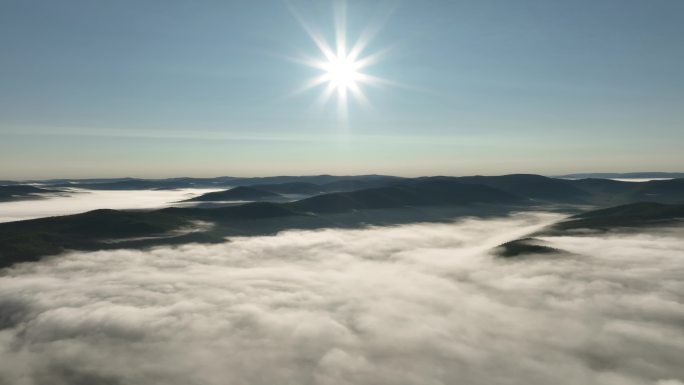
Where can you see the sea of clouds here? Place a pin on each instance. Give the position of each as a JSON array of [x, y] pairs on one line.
[[420, 304], [73, 201]]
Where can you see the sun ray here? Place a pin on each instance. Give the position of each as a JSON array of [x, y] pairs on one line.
[[359, 95], [342, 107], [311, 83], [315, 36], [371, 59], [341, 28], [326, 95], [367, 35]]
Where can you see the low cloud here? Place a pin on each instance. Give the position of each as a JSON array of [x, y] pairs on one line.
[[413, 304], [75, 201]]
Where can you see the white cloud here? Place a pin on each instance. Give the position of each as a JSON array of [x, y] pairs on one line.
[[81, 200], [412, 304]]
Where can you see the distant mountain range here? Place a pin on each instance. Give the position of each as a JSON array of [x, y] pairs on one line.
[[396, 201], [185, 182], [534, 188], [241, 193], [525, 187], [275, 191], [23, 192], [530, 186], [340, 180], [429, 192]]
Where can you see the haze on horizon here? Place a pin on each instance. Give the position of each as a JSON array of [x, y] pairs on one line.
[[162, 89]]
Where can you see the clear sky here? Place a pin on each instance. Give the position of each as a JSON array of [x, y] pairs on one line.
[[203, 88]]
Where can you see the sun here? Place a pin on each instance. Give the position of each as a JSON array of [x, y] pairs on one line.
[[342, 72], [342, 66]]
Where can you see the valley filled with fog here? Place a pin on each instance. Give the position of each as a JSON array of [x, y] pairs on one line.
[[341, 192], [75, 200], [420, 303]]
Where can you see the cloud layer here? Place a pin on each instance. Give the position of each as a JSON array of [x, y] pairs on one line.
[[81, 200], [413, 304]]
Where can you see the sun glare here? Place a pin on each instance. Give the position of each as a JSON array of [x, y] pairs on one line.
[[341, 67], [342, 72]]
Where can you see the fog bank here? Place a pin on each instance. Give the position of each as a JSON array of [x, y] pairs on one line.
[[412, 304], [80, 200]]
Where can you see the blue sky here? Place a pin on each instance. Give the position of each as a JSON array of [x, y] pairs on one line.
[[169, 88]]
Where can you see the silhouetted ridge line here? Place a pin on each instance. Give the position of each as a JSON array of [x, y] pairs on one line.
[[241, 193], [422, 193]]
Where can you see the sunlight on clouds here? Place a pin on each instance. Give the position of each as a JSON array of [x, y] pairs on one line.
[[412, 304]]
